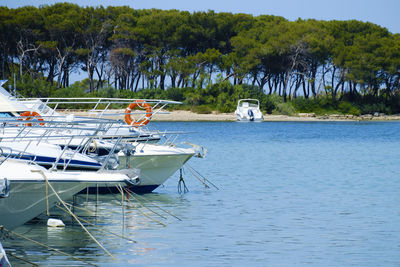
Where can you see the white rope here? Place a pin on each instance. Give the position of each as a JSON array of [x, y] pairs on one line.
[[71, 213]]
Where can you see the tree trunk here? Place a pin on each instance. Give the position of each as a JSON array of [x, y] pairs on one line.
[[162, 81]]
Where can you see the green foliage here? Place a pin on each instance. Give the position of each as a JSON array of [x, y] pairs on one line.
[[74, 90], [225, 103], [192, 96], [304, 105], [355, 64], [29, 87], [202, 109], [320, 105], [175, 94], [373, 108], [150, 94], [269, 103], [348, 108], [324, 105], [285, 109]]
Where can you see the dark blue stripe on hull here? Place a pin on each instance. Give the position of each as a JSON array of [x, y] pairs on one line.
[[114, 190], [73, 164]]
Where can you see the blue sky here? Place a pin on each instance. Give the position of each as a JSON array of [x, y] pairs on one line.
[[382, 12]]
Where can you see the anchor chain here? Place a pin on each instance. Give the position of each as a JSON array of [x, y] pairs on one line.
[[181, 184]]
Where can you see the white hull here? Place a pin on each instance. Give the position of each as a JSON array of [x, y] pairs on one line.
[[246, 119], [155, 170], [156, 163], [28, 199], [27, 195]]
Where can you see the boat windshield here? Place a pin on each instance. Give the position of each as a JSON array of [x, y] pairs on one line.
[[249, 104]]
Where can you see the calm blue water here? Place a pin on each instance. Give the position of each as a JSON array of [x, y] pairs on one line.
[[290, 194]]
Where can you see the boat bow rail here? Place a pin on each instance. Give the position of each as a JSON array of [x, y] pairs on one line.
[[57, 147], [132, 122], [97, 107]]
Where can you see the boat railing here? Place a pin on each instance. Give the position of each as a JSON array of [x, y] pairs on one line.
[[38, 133], [3, 156], [63, 157], [97, 128], [100, 108], [96, 106]]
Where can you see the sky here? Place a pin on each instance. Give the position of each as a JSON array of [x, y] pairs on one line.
[[382, 12]]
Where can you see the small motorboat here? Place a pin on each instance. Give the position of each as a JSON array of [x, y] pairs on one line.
[[249, 110]]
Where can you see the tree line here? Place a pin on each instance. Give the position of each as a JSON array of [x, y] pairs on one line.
[[131, 49]]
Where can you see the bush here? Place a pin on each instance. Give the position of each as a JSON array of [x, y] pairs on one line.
[[193, 97], [151, 94], [106, 92], [372, 108], [175, 94], [202, 109], [348, 108], [225, 103], [29, 87], [285, 109], [126, 94], [305, 105], [269, 103]]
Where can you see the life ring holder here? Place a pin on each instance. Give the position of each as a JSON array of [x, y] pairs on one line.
[[141, 104], [29, 115]]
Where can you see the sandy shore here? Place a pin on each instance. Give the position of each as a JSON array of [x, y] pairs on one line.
[[183, 115]]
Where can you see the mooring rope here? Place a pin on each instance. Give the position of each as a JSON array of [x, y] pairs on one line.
[[98, 228], [47, 200], [79, 208], [22, 259], [135, 207], [193, 171], [122, 207], [128, 204], [144, 214], [126, 190], [137, 196], [72, 214]]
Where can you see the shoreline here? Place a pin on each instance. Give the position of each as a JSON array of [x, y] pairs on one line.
[[184, 115], [180, 115]]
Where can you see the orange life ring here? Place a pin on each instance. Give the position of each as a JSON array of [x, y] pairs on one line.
[[28, 115], [138, 103]]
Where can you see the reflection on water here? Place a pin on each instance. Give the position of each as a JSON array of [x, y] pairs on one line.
[[321, 194], [107, 215]]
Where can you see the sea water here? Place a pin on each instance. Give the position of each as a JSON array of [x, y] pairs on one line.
[[289, 194]]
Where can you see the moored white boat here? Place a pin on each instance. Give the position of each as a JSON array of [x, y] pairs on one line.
[[156, 162], [249, 110], [29, 194]]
